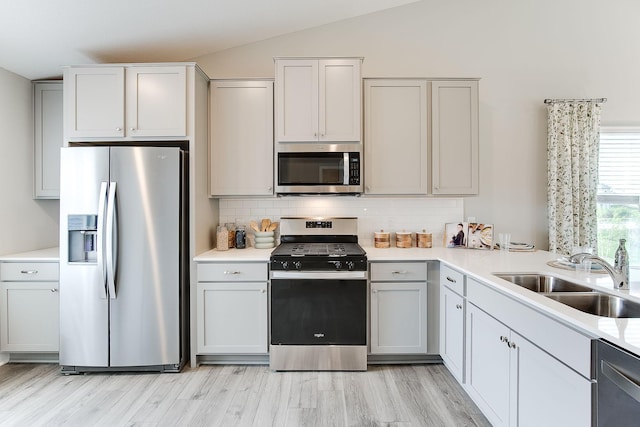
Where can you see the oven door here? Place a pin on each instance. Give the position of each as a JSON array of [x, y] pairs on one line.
[[313, 311]]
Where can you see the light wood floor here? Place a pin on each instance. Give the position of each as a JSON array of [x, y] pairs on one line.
[[393, 395]]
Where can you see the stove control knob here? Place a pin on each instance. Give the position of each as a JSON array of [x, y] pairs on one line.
[[285, 265], [297, 265], [338, 265], [350, 265]]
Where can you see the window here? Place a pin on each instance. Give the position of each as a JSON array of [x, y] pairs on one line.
[[619, 192]]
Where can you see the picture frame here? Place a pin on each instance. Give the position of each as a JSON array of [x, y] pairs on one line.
[[480, 236], [455, 234]]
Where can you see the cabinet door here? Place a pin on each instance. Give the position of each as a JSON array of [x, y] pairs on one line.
[[454, 133], [297, 100], [156, 101], [548, 392], [94, 102], [29, 316], [452, 332], [232, 318], [398, 318], [488, 367], [396, 159], [48, 139], [241, 142], [340, 100]]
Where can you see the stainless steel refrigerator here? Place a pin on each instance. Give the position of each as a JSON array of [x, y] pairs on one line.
[[123, 265]]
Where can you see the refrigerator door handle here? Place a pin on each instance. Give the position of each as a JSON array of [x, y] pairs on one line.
[[112, 240], [102, 200]]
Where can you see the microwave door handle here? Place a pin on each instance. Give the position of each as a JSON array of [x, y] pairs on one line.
[[346, 168], [102, 201], [112, 240]]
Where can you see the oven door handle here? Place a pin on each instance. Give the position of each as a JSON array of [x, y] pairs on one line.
[[323, 275]]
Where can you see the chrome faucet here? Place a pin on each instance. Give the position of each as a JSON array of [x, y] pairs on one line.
[[619, 273]]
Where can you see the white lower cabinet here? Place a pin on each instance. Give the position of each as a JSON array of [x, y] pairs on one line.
[[517, 383], [232, 308], [452, 328], [398, 321], [29, 301]]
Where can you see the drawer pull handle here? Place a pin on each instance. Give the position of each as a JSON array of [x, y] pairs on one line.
[[451, 280], [231, 273], [400, 272], [511, 344], [504, 339], [459, 306], [29, 271]]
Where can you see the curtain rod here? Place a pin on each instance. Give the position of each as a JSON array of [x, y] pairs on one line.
[[553, 101]]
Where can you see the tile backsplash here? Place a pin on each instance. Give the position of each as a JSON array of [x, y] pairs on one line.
[[374, 214]]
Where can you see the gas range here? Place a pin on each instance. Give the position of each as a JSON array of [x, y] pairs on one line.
[[318, 244], [318, 294]]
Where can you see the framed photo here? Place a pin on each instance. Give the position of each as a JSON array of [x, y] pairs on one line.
[[455, 234], [480, 236]]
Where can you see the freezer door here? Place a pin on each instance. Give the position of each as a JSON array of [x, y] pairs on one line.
[[146, 250], [84, 314]]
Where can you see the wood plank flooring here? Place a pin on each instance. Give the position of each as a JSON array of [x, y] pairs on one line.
[[236, 395]]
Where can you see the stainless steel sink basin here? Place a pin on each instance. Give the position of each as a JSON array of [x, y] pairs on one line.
[[543, 283], [599, 304]]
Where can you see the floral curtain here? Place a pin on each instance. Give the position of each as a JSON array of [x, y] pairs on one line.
[[572, 164]]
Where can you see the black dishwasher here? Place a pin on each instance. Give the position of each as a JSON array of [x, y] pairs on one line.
[[618, 377]]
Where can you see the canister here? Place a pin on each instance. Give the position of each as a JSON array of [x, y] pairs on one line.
[[240, 237], [403, 239], [382, 239], [424, 239]]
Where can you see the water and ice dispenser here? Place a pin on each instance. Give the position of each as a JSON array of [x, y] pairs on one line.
[[83, 238]]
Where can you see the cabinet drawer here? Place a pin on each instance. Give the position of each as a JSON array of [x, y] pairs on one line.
[[28, 271], [233, 272], [452, 279], [399, 271]]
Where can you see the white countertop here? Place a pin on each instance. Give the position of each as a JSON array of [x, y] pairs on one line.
[[39, 255], [481, 264]]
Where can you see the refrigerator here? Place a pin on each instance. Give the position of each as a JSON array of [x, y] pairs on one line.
[[123, 258]]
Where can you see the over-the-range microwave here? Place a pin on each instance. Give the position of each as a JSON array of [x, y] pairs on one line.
[[318, 168]]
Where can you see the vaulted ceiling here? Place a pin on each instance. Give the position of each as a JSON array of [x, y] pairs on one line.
[[38, 37]]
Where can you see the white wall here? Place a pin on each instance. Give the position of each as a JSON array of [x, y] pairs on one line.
[[524, 51], [25, 224]]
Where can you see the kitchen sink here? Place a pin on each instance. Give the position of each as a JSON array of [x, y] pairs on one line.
[[577, 296], [599, 304], [543, 283]]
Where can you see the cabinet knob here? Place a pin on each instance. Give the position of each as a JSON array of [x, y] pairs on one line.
[[54, 290], [503, 339], [512, 344], [269, 188], [264, 291], [119, 129], [132, 129], [459, 307]]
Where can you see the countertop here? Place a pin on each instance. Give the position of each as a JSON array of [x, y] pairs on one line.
[[481, 264], [39, 255]]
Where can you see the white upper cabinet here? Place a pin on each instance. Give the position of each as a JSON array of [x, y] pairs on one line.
[[48, 138], [318, 100], [395, 148], [241, 145], [125, 102], [454, 133], [156, 101]]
